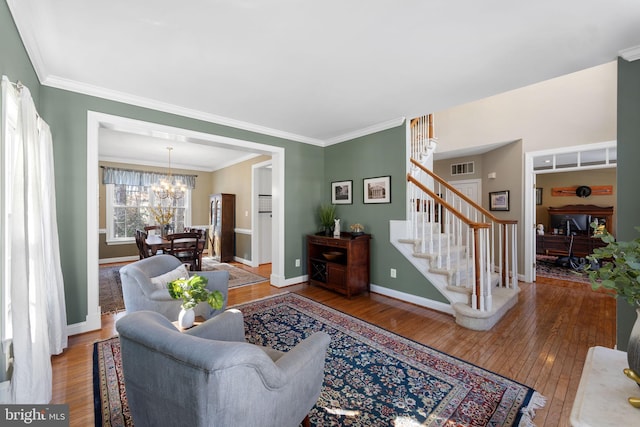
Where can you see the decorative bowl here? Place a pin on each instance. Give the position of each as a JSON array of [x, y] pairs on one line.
[[332, 256]]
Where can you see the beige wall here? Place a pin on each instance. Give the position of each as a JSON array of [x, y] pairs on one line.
[[575, 109], [569, 179], [236, 180], [199, 204]]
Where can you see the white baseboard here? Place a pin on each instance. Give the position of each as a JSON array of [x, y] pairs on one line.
[[246, 262], [118, 259], [421, 301], [93, 322], [281, 282]]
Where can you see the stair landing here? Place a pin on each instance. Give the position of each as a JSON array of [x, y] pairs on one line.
[[502, 299]]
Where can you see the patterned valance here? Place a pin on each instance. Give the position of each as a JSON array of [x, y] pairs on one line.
[[143, 178]]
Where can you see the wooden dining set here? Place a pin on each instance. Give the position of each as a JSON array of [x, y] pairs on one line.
[[187, 246]]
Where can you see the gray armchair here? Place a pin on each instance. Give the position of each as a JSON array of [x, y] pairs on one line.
[[142, 292], [209, 375]]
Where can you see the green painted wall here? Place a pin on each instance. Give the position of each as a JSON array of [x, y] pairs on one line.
[[66, 113], [628, 175], [379, 154], [14, 62]]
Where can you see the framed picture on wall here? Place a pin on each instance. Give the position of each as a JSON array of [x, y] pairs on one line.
[[538, 196], [341, 192], [377, 190], [499, 201]]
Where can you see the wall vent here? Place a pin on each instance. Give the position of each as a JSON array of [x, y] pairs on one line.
[[462, 168]]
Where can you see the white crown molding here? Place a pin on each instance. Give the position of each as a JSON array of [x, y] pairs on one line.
[[631, 54], [25, 28], [125, 160], [100, 92], [365, 131]]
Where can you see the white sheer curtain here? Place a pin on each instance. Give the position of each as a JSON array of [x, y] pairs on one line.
[[35, 290]]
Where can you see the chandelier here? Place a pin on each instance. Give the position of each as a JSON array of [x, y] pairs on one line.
[[169, 187]]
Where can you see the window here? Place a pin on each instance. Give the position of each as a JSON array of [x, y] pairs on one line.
[[128, 209], [577, 159], [462, 168]]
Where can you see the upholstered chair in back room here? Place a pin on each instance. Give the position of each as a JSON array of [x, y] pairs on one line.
[[144, 286]]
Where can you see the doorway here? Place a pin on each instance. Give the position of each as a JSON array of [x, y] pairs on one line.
[[95, 121], [565, 159]]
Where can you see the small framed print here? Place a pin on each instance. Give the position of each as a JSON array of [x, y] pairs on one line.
[[499, 201], [377, 190], [538, 196], [341, 192]]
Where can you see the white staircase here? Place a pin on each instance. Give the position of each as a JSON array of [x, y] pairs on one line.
[[466, 253]]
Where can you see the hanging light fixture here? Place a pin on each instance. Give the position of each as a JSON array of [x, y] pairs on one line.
[[169, 187]]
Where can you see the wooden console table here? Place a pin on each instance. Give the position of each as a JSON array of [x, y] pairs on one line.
[[601, 399], [347, 272]]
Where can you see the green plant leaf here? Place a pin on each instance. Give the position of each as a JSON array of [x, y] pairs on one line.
[[620, 267], [193, 291]]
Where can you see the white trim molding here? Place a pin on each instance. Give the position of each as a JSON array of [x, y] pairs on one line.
[[630, 54], [414, 299], [365, 131]]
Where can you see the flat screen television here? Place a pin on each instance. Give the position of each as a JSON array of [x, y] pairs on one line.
[[569, 223]]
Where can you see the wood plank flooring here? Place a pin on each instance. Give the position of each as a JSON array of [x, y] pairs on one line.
[[542, 342]]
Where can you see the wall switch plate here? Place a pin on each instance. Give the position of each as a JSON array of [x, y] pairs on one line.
[[297, 263], [393, 273]]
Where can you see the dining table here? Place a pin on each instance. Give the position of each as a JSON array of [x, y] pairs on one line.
[[157, 242]]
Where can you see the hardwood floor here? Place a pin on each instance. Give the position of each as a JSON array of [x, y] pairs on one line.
[[542, 342]]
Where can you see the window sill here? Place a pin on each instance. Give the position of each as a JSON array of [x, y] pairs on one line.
[[120, 242]]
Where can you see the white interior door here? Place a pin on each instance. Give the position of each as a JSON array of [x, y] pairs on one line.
[[472, 188]]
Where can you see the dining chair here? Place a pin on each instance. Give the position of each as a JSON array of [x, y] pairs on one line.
[[187, 248], [204, 238], [141, 242]]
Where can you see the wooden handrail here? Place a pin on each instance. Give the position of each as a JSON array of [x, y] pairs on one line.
[[441, 201], [463, 196]]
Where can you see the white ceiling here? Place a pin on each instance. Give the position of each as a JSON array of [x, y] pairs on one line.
[[316, 72]]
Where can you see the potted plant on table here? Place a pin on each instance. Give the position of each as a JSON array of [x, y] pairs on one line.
[[616, 267], [192, 291], [327, 214]]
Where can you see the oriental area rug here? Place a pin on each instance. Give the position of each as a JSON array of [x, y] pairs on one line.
[[372, 376], [110, 287], [547, 266]]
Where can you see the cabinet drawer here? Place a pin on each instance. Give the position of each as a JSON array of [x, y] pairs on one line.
[[328, 241]]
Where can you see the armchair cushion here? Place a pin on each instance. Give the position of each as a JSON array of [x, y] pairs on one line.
[[160, 282]]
